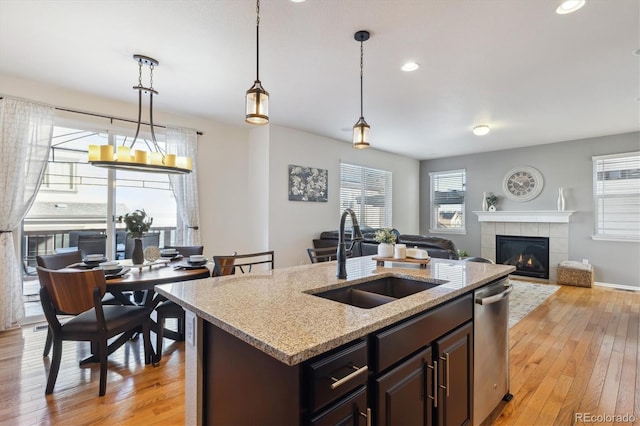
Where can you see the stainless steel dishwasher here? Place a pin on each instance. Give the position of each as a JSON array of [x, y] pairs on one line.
[[490, 348]]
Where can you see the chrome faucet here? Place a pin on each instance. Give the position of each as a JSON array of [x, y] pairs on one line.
[[356, 236]]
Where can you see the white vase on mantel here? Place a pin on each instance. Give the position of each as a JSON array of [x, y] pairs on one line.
[[560, 199], [385, 250], [485, 204]]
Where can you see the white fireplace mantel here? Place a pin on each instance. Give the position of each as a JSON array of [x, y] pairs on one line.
[[539, 216]]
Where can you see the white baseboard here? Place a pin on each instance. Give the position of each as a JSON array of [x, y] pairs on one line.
[[618, 286]]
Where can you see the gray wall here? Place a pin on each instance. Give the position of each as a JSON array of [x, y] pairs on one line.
[[563, 164]]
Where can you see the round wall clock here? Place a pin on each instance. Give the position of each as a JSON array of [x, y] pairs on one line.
[[522, 183]]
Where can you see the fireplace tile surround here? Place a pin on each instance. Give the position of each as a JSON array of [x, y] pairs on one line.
[[558, 234]]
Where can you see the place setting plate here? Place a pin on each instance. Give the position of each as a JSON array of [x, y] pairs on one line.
[[116, 273], [174, 256], [91, 262], [199, 263]]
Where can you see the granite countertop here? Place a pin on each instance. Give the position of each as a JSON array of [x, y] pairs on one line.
[[275, 312]]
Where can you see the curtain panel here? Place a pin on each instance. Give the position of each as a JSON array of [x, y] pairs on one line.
[[26, 129], [184, 142]]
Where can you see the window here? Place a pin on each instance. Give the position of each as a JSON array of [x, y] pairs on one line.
[[59, 176], [368, 193], [447, 201], [76, 196], [616, 193]]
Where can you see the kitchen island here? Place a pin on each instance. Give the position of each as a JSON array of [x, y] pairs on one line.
[[263, 335]]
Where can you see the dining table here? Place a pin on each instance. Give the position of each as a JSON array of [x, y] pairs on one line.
[[144, 278]]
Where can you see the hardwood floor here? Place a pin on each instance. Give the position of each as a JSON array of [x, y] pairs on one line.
[[136, 394], [576, 353]]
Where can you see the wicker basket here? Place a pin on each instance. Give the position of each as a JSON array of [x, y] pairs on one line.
[[575, 273]]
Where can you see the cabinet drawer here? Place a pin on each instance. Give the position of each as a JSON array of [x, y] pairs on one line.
[[395, 343], [337, 374], [350, 411]]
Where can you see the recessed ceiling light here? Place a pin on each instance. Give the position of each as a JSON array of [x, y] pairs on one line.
[[297, 1], [410, 66], [568, 6], [481, 130]]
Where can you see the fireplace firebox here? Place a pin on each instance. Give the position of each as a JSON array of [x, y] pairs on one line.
[[530, 255]]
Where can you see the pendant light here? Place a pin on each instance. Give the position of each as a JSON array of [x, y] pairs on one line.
[[154, 159], [361, 128], [257, 99]]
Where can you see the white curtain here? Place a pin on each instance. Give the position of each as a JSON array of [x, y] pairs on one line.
[[184, 142], [25, 139]]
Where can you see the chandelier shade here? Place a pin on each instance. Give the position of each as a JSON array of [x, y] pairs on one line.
[[154, 159], [361, 128], [257, 99], [361, 134], [257, 104]]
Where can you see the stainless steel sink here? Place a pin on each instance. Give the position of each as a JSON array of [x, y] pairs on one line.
[[378, 292]]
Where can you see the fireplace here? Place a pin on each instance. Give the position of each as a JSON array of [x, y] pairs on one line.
[[530, 255]]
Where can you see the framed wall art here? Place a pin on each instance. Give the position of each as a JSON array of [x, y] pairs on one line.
[[308, 184]]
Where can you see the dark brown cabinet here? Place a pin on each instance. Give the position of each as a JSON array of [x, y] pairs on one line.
[[433, 386], [424, 368], [402, 392], [418, 371], [455, 374], [349, 411]]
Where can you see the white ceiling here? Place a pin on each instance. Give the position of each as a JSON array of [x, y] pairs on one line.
[[536, 77]]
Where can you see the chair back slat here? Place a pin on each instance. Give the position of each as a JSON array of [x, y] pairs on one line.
[[324, 254], [226, 265], [223, 265], [72, 292], [59, 260], [92, 244]]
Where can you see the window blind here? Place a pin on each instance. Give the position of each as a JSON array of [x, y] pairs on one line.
[[616, 189], [368, 192], [447, 201]]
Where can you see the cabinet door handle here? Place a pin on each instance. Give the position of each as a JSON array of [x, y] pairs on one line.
[[367, 416], [434, 367], [340, 382], [446, 366]]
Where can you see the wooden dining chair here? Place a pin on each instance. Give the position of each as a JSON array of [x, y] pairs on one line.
[[227, 265], [92, 244], [170, 309], [80, 293], [60, 261], [56, 261], [224, 265], [324, 254]]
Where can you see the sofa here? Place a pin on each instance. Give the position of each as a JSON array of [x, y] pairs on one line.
[[435, 246]]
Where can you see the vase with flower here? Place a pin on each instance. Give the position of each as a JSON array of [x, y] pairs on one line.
[[491, 200], [138, 224], [386, 237]]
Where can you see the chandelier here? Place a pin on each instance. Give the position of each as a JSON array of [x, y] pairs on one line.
[[154, 159]]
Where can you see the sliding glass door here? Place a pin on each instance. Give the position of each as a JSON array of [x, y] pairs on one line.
[[77, 200]]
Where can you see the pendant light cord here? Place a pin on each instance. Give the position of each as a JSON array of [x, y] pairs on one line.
[[258, 40], [361, 58]]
